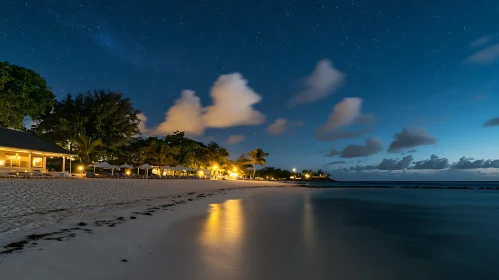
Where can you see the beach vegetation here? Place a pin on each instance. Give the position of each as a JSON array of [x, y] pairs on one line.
[[23, 93]]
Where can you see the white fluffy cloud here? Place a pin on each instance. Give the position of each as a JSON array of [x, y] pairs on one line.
[[233, 139], [278, 127], [324, 80], [142, 124], [184, 115], [232, 106], [344, 114], [233, 102]]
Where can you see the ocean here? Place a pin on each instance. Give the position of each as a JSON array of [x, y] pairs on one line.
[[338, 234], [395, 184]]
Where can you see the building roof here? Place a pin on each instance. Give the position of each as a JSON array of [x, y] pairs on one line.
[[23, 140]]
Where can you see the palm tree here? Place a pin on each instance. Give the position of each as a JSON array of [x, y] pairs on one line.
[[257, 157], [87, 147], [160, 153]]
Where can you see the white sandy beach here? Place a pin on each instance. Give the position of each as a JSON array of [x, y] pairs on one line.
[[123, 221]]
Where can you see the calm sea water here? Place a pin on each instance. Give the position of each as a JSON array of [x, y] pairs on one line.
[[441, 184], [339, 234]]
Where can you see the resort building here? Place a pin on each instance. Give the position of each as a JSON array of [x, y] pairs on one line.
[[26, 152]]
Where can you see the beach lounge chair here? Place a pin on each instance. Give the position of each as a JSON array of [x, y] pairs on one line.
[[7, 175], [24, 175], [38, 175]]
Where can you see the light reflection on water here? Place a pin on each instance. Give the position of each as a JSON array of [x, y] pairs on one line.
[[308, 226], [381, 234], [221, 237]]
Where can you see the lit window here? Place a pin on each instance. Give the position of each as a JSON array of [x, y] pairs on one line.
[[37, 161], [11, 160]]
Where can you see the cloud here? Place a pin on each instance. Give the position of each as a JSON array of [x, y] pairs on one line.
[[142, 124], [491, 122], [394, 164], [372, 146], [469, 163], [359, 168], [411, 151], [485, 56], [324, 80], [344, 114], [336, 162], [233, 139], [184, 115], [232, 106], [278, 127], [332, 153], [359, 174], [491, 163], [480, 41], [433, 163], [410, 138], [233, 103]]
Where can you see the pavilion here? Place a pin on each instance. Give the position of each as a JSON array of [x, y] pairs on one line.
[[26, 152]]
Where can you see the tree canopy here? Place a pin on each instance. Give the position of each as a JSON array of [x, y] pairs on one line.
[[257, 157], [23, 93], [103, 115]]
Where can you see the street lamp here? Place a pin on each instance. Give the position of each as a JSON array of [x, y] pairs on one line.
[[294, 173], [80, 168]]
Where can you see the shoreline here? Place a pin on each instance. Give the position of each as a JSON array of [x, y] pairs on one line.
[[114, 237], [97, 243]]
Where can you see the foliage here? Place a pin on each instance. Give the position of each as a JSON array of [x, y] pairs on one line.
[[23, 93], [257, 157], [275, 173], [160, 153], [107, 116], [282, 174], [87, 148]]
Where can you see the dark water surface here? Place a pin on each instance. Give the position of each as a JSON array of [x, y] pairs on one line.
[[398, 184], [339, 234]]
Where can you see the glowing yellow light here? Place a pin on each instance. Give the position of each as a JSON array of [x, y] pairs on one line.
[[224, 226], [80, 168], [201, 173], [2, 162], [215, 167], [294, 169], [235, 169], [128, 172], [307, 176], [291, 177]]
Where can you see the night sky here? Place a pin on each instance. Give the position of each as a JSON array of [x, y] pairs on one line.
[[365, 89]]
